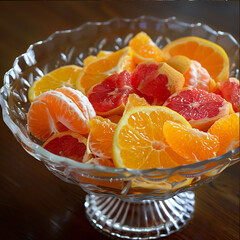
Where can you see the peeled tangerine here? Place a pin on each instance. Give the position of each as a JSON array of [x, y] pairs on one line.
[[195, 75], [157, 81], [59, 110]]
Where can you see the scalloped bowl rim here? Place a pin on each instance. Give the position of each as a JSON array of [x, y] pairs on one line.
[[37, 149]]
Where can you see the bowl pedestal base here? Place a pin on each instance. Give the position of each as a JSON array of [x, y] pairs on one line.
[[147, 219]]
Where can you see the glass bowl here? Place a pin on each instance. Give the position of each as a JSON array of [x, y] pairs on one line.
[[123, 203]]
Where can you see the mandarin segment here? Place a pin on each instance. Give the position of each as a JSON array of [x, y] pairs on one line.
[[100, 137], [199, 107], [227, 130], [190, 143]]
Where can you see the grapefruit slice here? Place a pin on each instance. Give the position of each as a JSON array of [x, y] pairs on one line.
[[144, 49], [157, 81], [199, 107], [139, 142], [95, 72], [229, 89], [64, 76], [190, 143], [68, 144], [100, 137], [227, 130], [110, 96], [210, 55], [195, 75]]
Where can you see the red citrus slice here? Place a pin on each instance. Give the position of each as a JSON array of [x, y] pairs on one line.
[[158, 81], [109, 97], [229, 89], [68, 144], [199, 107]]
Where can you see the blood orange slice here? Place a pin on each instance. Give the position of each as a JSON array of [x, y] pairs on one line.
[[157, 81], [110, 96], [229, 89], [68, 144], [199, 107]]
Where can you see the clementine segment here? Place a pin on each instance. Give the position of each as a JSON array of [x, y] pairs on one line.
[[144, 49], [210, 55], [139, 142], [190, 143], [101, 137], [54, 111], [227, 130], [101, 161]]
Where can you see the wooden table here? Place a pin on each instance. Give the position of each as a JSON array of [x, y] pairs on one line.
[[34, 204]]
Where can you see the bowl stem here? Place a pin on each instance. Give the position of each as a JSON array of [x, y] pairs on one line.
[[148, 219]]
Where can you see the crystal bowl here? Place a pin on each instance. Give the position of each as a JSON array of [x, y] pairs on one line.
[[121, 203]]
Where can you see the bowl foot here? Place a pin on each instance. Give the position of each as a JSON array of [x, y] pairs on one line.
[[147, 219]]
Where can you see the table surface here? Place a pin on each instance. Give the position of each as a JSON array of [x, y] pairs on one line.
[[34, 204]]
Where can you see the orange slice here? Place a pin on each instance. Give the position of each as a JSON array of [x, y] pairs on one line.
[[100, 137], [210, 55], [135, 101], [227, 130], [64, 76], [144, 49], [139, 142], [96, 71], [68, 144], [190, 143]]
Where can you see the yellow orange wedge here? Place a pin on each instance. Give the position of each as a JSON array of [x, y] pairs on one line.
[[62, 77], [210, 55], [98, 70], [144, 49], [139, 142]]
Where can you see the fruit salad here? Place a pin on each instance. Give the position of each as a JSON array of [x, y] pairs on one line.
[[139, 107]]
